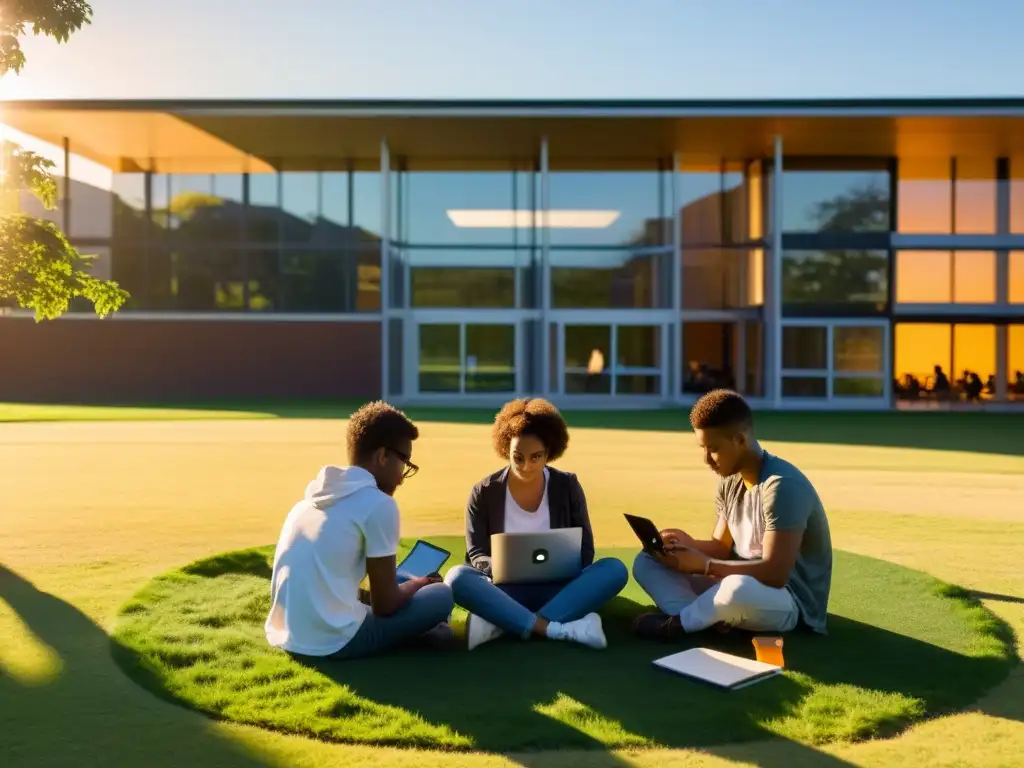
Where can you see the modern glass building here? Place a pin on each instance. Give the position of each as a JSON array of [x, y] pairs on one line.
[[836, 254]]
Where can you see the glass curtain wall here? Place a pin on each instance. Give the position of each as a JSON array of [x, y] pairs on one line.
[[275, 242]]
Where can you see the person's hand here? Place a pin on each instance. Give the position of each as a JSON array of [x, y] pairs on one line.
[[691, 560], [414, 585], [667, 559], [673, 538]]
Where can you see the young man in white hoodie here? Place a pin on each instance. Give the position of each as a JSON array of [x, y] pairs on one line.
[[347, 527]]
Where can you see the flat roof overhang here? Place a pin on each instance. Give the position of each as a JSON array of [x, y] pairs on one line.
[[260, 136]]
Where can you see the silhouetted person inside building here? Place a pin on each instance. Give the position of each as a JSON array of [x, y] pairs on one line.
[[940, 383]]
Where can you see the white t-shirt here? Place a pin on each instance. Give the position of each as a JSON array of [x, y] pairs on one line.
[[320, 561], [518, 520]]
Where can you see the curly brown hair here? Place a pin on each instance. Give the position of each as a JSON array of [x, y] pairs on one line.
[[530, 416], [377, 425], [721, 408]]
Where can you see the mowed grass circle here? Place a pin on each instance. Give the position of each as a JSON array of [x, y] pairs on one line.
[[902, 646]]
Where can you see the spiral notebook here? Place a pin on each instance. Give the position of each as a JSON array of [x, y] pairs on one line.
[[723, 670]]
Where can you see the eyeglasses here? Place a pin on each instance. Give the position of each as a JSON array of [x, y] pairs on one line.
[[410, 468]]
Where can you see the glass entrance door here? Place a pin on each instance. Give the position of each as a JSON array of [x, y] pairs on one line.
[[624, 359], [465, 358]]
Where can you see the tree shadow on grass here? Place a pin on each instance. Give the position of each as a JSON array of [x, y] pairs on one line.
[[514, 695], [87, 711]]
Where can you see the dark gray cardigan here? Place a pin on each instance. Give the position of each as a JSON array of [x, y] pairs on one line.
[[485, 514]]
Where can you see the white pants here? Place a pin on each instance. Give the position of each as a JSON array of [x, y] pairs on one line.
[[701, 602]]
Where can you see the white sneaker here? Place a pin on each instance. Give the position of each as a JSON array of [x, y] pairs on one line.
[[586, 631], [480, 631]]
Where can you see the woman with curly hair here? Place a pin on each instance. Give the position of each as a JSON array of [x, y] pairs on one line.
[[528, 495]]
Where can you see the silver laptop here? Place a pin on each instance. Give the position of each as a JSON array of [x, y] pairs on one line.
[[527, 558]]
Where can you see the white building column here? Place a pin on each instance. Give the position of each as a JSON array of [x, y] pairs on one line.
[[676, 351], [545, 270], [385, 267], [774, 305]]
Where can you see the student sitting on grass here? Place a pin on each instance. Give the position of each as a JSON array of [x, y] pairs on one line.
[[529, 496], [768, 565], [346, 528]]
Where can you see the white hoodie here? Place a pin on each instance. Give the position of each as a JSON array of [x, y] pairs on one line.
[[320, 561]]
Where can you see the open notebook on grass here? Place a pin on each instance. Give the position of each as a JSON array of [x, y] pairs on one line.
[[723, 670]]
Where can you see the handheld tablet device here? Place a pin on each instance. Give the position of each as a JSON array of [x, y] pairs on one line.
[[647, 532], [423, 559], [528, 558]]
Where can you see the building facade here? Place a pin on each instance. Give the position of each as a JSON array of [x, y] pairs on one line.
[[810, 254]]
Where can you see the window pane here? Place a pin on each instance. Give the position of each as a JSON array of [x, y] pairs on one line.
[[638, 346], [924, 356], [608, 279], [974, 277], [836, 278], [130, 269], [300, 206], [1016, 277], [804, 386], [1015, 362], [804, 348], [479, 207], [924, 277], [720, 206], [709, 350], [463, 287], [924, 196], [637, 384], [440, 366], [366, 202], [835, 200], [314, 281], [858, 350], [204, 209], [974, 359], [855, 386], [263, 215], [212, 280], [975, 196], [490, 358], [723, 278], [130, 225], [609, 208], [587, 359], [93, 207]]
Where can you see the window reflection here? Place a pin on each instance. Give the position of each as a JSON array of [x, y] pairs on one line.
[[636, 204], [587, 359], [465, 208], [839, 200], [638, 368], [835, 278], [723, 278], [944, 277], [606, 279], [975, 196], [924, 196], [805, 348], [722, 204], [263, 215], [367, 219], [858, 349], [1016, 277]]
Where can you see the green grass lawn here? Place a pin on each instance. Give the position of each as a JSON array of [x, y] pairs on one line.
[[901, 647], [92, 512]]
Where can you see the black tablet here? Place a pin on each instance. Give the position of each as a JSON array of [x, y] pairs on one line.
[[647, 532], [423, 560]]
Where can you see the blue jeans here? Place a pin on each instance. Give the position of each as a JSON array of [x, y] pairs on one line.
[[430, 606], [515, 607]]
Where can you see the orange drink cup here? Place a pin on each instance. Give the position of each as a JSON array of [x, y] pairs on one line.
[[769, 650]]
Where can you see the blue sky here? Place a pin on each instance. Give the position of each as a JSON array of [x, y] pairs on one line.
[[532, 48]]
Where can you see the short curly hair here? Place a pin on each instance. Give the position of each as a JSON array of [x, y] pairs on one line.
[[377, 425], [721, 409], [530, 416]]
